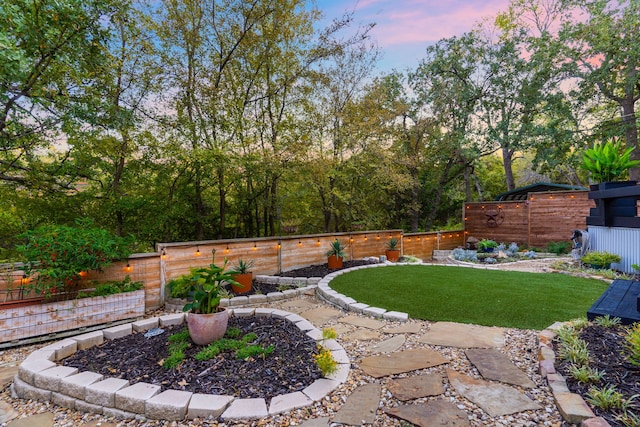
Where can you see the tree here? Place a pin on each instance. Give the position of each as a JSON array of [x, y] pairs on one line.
[[44, 82], [603, 48]]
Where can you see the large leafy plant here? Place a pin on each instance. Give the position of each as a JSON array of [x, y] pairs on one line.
[[608, 161], [337, 248], [55, 255], [206, 285]]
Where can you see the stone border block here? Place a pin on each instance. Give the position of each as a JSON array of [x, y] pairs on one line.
[[103, 393], [243, 312], [133, 398], [246, 409], [117, 331], [374, 311], [26, 391], [118, 414], [89, 340], [238, 301], [83, 406], [305, 325], [320, 388], [396, 316], [206, 405], [315, 334], [28, 370], [264, 312], [63, 400], [172, 319], [169, 405], [63, 348], [145, 324], [49, 379], [257, 299], [75, 385], [275, 296], [288, 402]]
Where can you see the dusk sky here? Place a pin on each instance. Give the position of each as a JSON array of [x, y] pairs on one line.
[[406, 27]]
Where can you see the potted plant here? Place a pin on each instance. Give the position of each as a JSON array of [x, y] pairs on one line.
[[336, 255], [393, 249], [600, 260], [242, 275], [206, 320], [608, 161], [487, 245]]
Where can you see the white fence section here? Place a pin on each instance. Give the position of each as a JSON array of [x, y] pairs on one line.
[[617, 240]]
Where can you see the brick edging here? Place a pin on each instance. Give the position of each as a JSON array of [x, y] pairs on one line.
[[40, 378]]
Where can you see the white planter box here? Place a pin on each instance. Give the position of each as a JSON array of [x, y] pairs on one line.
[[43, 319]]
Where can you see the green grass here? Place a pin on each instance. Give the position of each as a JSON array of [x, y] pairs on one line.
[[468, 295]]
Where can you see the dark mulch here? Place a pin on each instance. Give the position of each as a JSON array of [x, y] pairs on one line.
[[607, 354], [319, 270], [136, 358]]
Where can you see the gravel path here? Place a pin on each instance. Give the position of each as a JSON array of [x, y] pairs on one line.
[[521, 347]]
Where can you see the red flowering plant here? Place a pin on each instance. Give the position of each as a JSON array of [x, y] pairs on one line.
[[55, 255]]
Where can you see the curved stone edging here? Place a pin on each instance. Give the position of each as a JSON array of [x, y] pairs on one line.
[[332, 297], [40, 378]]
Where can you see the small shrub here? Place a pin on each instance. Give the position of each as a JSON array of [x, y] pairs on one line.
[[115, 287], [606, 398], [628, 419], [329, 334], [600, 260], [325, 361], [233, 332], [607, 321], [250, 337], [512, 250], [183, 335], [467, 255], [490, 260], [632, 340], [530, 254], [559, 248], [580, 323], [575, 351], [585, 374], [208, 353], [173, 360], [253, 350]]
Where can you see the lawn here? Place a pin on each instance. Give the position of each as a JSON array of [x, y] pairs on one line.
[[468, 295]]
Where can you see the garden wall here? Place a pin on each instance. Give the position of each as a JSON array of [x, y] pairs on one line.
[[542, 218]]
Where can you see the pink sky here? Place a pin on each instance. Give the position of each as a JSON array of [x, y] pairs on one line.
[[404, 28]]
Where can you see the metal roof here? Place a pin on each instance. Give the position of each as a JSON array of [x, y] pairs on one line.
[[539, 187]]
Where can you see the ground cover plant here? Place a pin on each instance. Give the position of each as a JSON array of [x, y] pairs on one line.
[[485, 297]]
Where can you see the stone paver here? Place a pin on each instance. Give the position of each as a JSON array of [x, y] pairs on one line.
[[432, 414], [360, 335], [460, 335], [495, 365], [287, 402], [416, 387], [44, 419], [495, 399], [402, 361], [573, 407], [321, 315], [316, 422], [298, 305], [98, 424], [362, 322], [390, 345], [407, 328], [361, 406], [7, 413], [7, 373]]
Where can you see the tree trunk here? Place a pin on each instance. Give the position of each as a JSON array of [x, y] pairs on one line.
[[630, 123], [507, 161]]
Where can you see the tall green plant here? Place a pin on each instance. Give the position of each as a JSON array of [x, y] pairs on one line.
[[608, 161], [207, 285], [56, 255]]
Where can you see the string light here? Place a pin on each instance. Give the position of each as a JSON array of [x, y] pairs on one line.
[[378, 236], [299, 243], [255, 248], [318, 242], [164, 254], [128, 267], [198, 250], [226, 251]]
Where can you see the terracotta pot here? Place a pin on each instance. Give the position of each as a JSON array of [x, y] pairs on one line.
[[245, 279], [334, 262], [206, 328], [392, 255]]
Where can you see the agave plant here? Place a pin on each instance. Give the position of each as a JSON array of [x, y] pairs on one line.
[[608, 161]]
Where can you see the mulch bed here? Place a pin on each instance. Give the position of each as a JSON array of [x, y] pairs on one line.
[[136, 358], [607, 354]]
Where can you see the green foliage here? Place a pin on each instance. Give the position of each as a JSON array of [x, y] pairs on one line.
[[393, 244], [487, 244], [206, 285], [182, 336], [337, 248], [559, 248], [632, 339], [608, 161], [606, 398], [574, 350], [585, 374], [178, 343], [56, 255], [325, 361], [242, 267], [116, 287], [254, 350], [607, 321], [180, 287], [597, 259], [233, 341], [233, 332], [329, 334]]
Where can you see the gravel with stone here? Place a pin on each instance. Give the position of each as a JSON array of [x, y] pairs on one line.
[[360, 342]]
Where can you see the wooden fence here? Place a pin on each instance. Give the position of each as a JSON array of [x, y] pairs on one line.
[[542, 218]]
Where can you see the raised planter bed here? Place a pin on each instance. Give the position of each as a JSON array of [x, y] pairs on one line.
[[43, 319]]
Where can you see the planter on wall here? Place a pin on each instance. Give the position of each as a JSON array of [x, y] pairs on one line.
[[393, 255], [43, 319], [334, 262], [245, 279]]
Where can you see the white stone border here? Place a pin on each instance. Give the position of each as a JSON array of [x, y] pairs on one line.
[[40, 378], [333, 297]]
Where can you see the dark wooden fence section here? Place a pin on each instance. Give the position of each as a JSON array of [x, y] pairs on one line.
[[542, 218]]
